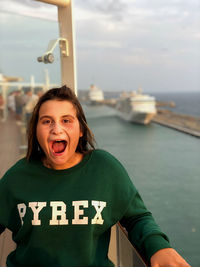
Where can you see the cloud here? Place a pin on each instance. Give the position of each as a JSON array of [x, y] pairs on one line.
[[35, 4], [112, 8], [29, 8]]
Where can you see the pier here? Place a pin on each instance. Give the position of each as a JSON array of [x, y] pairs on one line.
[[180, 122]]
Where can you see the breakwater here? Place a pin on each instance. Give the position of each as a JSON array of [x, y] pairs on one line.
[[180, 122]]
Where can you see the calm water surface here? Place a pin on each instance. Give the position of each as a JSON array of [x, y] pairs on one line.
[[165, 167]]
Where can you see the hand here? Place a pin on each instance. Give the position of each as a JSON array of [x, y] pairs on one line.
[[168, 257]]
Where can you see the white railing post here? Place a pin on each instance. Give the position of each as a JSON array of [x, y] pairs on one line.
[[68, 70], [65, 19]]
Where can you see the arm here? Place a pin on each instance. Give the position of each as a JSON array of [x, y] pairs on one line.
[[168, 257], [147, 237], [4, 206], [143, 232]]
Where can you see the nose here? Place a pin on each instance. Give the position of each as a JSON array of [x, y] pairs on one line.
[[57, 128]]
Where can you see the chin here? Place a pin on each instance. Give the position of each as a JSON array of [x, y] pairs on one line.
[[60, 164]]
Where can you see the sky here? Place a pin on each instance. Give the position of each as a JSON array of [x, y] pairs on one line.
[[120, 45]]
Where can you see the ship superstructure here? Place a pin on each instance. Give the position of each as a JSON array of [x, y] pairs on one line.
[[136, 107], [95, 95]]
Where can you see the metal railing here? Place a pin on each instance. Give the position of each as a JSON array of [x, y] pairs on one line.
[[121, 251]]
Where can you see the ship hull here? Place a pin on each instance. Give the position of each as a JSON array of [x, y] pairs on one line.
[[136, 107], [137, 117]]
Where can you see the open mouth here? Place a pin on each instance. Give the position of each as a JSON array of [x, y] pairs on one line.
[[59, 146]]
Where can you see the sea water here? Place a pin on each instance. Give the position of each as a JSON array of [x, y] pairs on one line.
[[185, 102], [164, 165]]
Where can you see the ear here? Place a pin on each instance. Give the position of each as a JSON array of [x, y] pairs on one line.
[[81, 130], [81, 134]]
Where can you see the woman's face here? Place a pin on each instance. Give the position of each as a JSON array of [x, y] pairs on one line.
[[58, 133]]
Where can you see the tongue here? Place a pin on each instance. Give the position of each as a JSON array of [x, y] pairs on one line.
[[58, 147]]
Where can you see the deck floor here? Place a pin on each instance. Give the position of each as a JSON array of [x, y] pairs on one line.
[[10, 137]]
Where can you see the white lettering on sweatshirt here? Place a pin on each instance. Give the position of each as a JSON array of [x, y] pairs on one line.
[[59, 212]]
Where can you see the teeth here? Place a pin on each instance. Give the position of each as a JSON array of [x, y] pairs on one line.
[[59, 141]]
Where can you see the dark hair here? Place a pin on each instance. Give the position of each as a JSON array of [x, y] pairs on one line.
[[86, 142]]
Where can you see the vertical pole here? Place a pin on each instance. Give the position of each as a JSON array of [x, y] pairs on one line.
[[32, 82], [68, 72], [47, 80], [4, 95], [113, 247]]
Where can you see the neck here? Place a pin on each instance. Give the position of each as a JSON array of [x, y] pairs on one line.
[[78, 158]]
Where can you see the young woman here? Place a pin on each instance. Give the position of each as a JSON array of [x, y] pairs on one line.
[[62, 199]]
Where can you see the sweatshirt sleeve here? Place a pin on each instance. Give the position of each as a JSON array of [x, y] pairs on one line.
[[144, 233], [130, 210], [4, 205], [2, 228]]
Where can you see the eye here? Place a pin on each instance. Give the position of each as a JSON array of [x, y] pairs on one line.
[[66, 121], [46, 121]]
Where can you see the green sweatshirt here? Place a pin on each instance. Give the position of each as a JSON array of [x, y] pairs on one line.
[[62, 218]]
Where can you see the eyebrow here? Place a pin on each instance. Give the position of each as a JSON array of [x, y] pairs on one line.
[[51, 117]]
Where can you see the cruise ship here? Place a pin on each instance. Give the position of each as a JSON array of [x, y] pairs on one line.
[[95, 95], [136, 107]]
